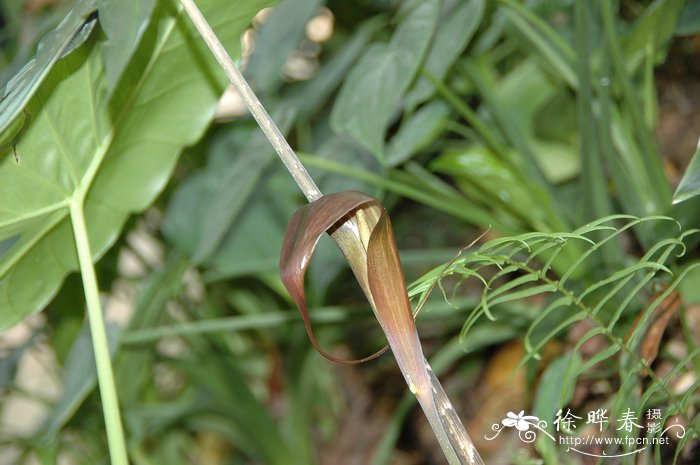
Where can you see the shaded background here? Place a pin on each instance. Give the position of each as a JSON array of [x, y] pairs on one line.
[[465, 117]]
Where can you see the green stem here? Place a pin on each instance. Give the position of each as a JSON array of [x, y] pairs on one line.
[[273, 134], [229, 325], [105, 375]]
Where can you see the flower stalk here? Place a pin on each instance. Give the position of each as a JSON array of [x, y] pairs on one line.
[[268, 126], [360, 226]]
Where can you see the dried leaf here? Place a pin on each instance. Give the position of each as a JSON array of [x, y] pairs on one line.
[[649, 346], [391, 304], [303, 232]]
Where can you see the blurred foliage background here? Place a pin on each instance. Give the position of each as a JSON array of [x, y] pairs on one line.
[[465, 117]]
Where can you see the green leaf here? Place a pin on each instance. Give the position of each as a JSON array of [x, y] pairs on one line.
[[252, 243], [124, 28], [629, 130], [460, 209], [689, 186], [652, 30], [551, 393], [546, 40], [418, 20], [10, 137], [482, 74], [480, 173], [133, 364], [375, 86], [80, 378], [559, 162], [224, 382], [530, 95], [369, 96], [116, 158], [206, 205], [550, 397], [456, 28], [57, 43], [344, 151], [418, 132], [524, 293], [310, 96], [689, 288], [278, 37]]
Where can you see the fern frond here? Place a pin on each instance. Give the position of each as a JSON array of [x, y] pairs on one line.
[[522, 267]]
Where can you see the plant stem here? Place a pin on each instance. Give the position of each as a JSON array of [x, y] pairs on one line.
[[105, 376], [449, 430], [285, 152], [229, 324]]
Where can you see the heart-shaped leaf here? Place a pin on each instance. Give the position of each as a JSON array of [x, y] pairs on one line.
[[361, 227], [105, 159], [124, 28]]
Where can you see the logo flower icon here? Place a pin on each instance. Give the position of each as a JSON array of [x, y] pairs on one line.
[[521, 421]]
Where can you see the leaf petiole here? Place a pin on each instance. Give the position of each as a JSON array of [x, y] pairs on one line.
[[105, 375]]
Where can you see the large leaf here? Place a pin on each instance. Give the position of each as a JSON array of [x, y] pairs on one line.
[[69, 33], [116, 157], [369, 96], [124, 28], [375, 86]]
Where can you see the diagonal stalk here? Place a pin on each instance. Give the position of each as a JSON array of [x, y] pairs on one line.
[[285, 152], [448, 429], [105, 375]]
